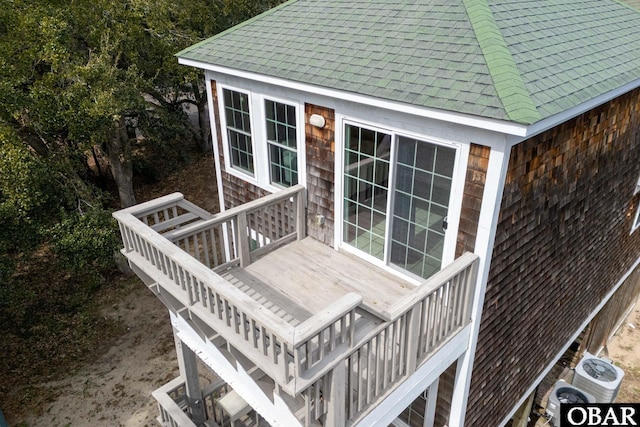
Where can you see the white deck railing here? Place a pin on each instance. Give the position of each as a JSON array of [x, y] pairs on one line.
[[285, 352], [173, 407], [417, 325], [171, 399], [179, 247]]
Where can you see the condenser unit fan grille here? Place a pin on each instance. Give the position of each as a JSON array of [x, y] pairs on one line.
[[570, 395], [599, 370]]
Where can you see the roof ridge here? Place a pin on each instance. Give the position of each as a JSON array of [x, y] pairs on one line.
[[235, 27], [502, 67], [627, 5]]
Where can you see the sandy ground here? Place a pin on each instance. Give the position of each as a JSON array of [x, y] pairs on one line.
[[115, 390]]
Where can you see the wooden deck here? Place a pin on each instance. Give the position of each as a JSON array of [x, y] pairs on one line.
[[309, 317], [297, 280]]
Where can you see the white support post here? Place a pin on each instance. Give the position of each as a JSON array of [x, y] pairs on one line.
[[487, 224], [336, 411], [430, 407], [188, 363]]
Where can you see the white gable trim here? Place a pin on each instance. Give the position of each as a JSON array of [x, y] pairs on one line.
[[447, 116]]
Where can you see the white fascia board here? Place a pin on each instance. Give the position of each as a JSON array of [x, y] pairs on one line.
[[500, 126], [575, 335], [553, 121], [519, 131]]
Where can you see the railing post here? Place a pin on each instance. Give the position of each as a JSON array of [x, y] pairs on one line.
[[242, 240], [412, 339], [301, 221], [470, 288], [335, 397]]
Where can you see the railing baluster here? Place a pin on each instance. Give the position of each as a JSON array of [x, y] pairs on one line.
[[385, 357], [361, 385], [205, 249], [370, 371], [379, 363], [321, 344]]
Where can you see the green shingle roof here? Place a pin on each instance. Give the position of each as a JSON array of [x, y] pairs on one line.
[[520, 61]]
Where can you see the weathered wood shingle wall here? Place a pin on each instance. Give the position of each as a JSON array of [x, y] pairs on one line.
[[604, 324], [563, 241], [472, 200], [320, 147]]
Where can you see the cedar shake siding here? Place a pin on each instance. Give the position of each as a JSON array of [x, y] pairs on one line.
[[236, 191], [320, 146], [605, 322], [562, 242], [472, 198]]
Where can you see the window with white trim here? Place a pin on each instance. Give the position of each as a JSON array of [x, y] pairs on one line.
[[238, 120], [261, 138], [282, 143]]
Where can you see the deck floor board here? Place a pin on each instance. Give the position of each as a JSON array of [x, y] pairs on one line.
[[305, 276]]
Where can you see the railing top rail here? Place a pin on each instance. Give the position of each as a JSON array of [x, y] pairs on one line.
[[434, 282], [231, 213], [325, 317], [265, 201], [151, 206]]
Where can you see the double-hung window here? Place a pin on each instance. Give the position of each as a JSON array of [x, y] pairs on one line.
[[282, 143], [262, 138], [238, 119], [396, 195]]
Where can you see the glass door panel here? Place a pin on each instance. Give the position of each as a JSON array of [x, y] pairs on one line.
[[366, 188], [421, 199]]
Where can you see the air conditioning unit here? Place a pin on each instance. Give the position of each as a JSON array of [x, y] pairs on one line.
[[563, 392], [599, 377]]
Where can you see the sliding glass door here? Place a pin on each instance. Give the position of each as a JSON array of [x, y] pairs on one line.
[[396, 198]]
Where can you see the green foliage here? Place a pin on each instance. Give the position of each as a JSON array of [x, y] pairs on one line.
[[71, 74], [86, 242], [24, 178]]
